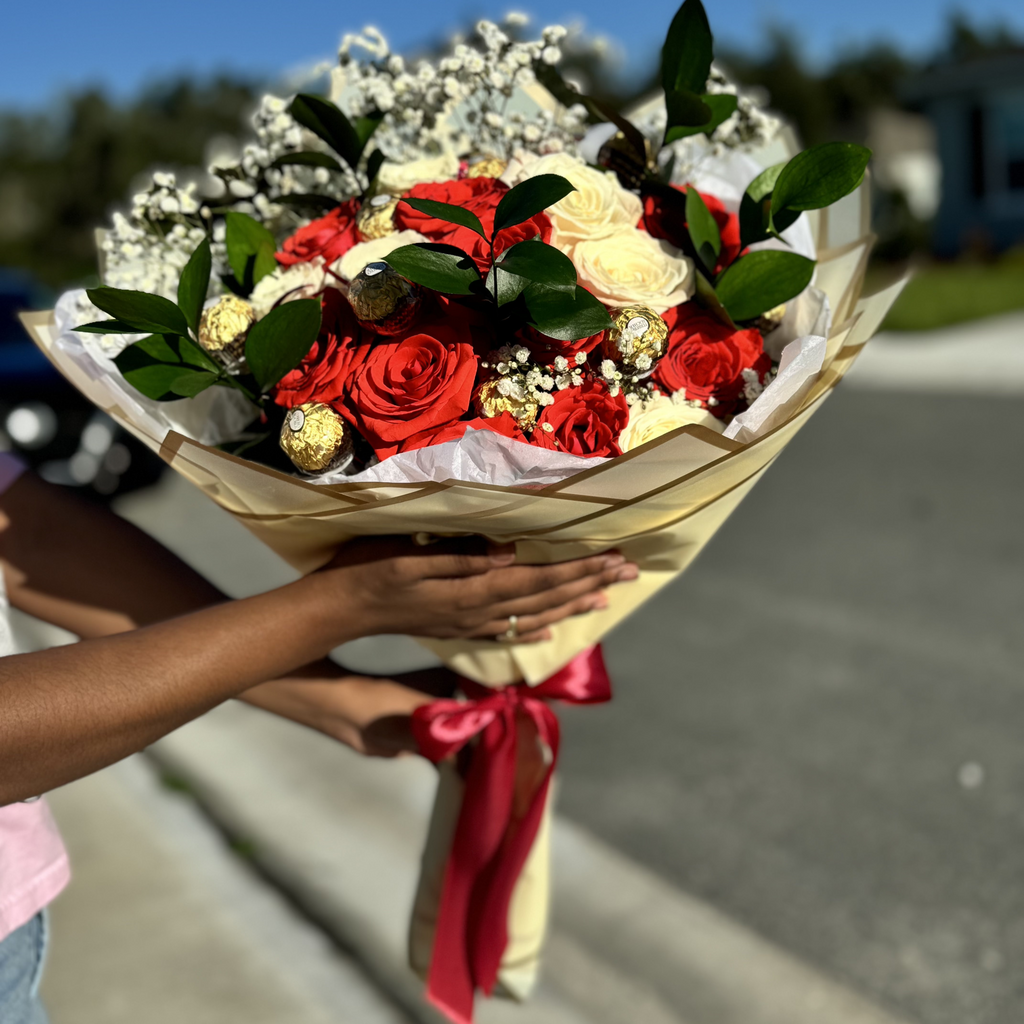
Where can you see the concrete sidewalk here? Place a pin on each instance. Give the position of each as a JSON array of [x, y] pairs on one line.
[[164, 924], [985, 357]]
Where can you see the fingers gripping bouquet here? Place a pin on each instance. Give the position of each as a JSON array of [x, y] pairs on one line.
[[409, 312]]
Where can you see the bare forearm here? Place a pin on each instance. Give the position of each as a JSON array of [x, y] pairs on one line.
[[72, 710]]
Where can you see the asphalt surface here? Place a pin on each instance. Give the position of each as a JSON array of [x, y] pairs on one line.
[[818, 727]]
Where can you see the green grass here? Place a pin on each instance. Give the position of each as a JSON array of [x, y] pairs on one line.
[[950, 293]]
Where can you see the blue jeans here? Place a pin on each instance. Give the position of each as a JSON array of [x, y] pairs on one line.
[[21, 969]]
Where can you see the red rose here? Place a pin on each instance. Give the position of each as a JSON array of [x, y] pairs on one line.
[[664, 220], [330, 237], [324, 374], [419, 382], [480, 196], [582, 421], [504, 424], [706, 358]]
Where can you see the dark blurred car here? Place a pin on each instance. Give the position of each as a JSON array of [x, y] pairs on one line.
[[46, 422]]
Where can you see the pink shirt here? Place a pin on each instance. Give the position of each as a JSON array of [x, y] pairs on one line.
[[33, 863]]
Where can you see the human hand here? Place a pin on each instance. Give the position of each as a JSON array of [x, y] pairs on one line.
[[461, 588]]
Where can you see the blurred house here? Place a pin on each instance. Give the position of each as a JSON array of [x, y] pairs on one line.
[[977, 110]]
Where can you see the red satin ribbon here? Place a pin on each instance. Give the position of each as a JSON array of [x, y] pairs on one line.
[[491, 845]]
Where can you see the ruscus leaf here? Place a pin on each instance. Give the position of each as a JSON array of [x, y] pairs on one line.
[[566, 318], [140, 310], [689, 46], [441, 268], [280, 341], [529, 198], [539, 263], [448, 212], [820, 176], [721, 105], [250, 249], [325, 120], [755, 207], [193, 284], [703, 229], [762, 280]]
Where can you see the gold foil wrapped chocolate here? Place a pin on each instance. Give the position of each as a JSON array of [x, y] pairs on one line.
[[769, 320], [638, 338], [494, 397], [223, 328], [376, 217], [487, 167], [383, 300], [316, 438]]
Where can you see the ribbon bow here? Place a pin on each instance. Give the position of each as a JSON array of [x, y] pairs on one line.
[[496, 827]]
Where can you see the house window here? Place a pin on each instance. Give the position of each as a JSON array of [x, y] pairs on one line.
[[1008, 142]]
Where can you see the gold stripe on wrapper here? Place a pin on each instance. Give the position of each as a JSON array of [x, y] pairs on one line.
[[316, 438]]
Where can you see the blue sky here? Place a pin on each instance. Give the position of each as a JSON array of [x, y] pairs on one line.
[[49, 46]]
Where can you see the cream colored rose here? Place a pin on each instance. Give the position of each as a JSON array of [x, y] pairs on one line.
[[349, 265], [659, 416], [398, 178], [299, 281], [631, 268], [599, 207]]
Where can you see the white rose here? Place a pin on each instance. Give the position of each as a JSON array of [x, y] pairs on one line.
[[349, 265], [599, 207], [398, 178], [631, 268], [302, 280], [659, 416]]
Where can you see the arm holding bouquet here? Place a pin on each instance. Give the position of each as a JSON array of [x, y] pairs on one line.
[[72, 710]]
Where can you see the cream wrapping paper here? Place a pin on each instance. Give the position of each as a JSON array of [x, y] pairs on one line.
[[659, 505]]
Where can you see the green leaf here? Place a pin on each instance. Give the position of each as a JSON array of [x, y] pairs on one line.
[[439, 267], [721, 105], [756, 206], [529, 198], [705, 294], [566, 318], [686, 55], [373, 165], [156, 364], [686, 113], [365, 127], [703, 229], [325, 120], [505, 288], [307, 158], [605, 112], [193, 284], [140, 310], [250, 249], [106, 327], [280, 341], [192, 382], [760, 281], [539, 263], [448, 212], [820, 176]]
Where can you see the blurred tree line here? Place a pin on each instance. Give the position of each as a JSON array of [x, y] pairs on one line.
[[64, 170]]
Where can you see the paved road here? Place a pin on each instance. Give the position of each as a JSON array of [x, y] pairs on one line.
[[818, 728]]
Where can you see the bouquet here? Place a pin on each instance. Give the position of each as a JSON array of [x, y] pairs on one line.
[[469, 298]]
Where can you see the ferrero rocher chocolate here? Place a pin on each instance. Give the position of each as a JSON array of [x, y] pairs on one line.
[[316, 438], [223, 329], [637, 337], [494, 397], [488, 167], [376, 217], [383, 300], [768, 321]]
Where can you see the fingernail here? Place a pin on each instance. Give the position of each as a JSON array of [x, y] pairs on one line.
[[612, 560], [600, 601], [627, 572], [503, 555]]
